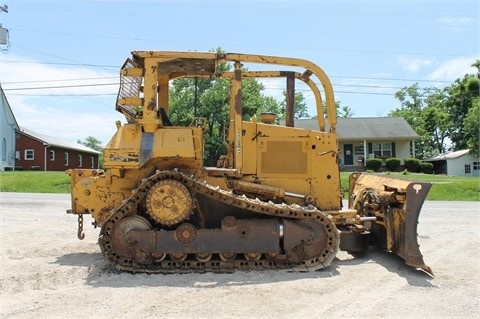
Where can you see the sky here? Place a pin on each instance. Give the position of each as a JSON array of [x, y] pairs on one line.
[[60, 67]]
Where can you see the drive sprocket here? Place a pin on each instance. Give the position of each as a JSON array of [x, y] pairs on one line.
[[169, 202]]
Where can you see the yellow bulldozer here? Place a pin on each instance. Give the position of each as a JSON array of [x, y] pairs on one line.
[[274, 201]]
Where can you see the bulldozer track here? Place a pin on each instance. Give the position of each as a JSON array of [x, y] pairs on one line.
[[293, 212]]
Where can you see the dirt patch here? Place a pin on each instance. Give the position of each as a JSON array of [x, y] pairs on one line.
[[46, 272]]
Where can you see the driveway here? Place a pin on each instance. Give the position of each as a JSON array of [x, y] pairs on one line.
[[46, 272]]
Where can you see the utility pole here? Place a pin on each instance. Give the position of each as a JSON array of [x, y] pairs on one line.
[[4, 32]]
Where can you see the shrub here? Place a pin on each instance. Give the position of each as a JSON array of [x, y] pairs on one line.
[[412, 164], [426, 167], [373, 164], [392, 164]]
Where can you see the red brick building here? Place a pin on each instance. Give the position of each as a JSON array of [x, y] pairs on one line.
[[36, 151]]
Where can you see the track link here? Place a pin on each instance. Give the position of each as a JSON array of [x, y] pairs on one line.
[[292, 212]]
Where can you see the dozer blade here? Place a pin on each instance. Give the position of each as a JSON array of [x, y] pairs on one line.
[[395, 204]]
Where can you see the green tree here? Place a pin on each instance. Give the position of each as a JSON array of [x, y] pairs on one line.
[[300, 109], [471, 121], [412, 102], [344, 111], [94, 144], [472, 128], [460, 100], [271, 105], [210, 99], [184, 99], [214, 106], [436, 123], [442, 116]]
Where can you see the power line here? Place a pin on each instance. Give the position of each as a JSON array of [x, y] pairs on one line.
[[387, 79], [70, 62], [244, 45], [109, 84], [59, 87], [64, 63], [67, 95], [116, 66], [116, 84], [60, 80]]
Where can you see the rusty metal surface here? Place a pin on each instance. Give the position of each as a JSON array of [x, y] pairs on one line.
[[168, 202], [310, 238], [173, 222], [244, 237], [396, 206]]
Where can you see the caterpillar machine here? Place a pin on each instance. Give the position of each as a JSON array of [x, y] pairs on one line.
[[273, 202]]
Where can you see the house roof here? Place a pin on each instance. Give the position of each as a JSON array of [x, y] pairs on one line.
[[58, 142], [446, 156], [361, 128]]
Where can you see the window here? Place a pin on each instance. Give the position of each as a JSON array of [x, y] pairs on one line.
[[476, 166], [52, 155], [79, 160], [382, 149], [4, 150], [359, 150], [93, 161], [468, 169], [29, 155], [65, 159]]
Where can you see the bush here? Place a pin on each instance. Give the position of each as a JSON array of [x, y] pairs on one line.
[[373, 164], [392, 164], [426, 167], [412, 164]]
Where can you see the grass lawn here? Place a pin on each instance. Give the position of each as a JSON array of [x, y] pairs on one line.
[[449, 188], [34, 182]]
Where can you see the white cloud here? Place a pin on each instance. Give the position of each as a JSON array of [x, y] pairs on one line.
[[456, 21], [413, 63], [72, 122], [18, 72], [451, 70], [59, 111], [274, 87]]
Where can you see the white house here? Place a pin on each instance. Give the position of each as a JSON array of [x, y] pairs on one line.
[[458, 163], [8, 127], [368, 137]]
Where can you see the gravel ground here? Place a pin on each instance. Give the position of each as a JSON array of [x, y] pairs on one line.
[[46, 272]]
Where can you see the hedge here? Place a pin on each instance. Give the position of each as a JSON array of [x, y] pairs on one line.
[[412, 164], [392, 164], [373, 164], [426, 168]]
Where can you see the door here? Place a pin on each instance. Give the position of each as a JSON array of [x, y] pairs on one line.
[[348, 154]]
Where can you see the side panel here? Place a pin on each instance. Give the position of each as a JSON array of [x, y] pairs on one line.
[[282, 156], [98, 192], [123, 149], [173, 142], [249, 142], [132, 148], [300, 161]]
